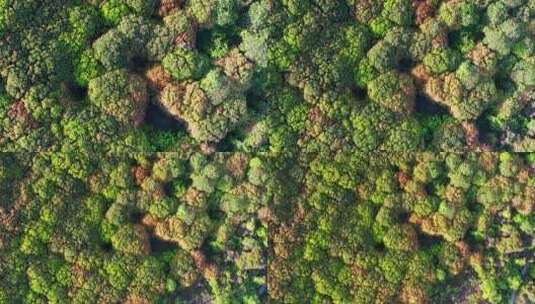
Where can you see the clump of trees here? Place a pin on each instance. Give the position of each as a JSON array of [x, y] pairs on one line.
[[50, 76], [146, 227], [396, 227], [360, 130]]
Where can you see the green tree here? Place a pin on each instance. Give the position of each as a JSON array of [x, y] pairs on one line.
[[121, 95], [394, 91], [183, 269], [185, 64], [131, 239]]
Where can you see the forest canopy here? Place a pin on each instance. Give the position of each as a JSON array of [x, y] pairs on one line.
[[267, 151]]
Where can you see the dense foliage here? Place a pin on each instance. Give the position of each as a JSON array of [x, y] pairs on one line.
[[146, 146], [139, 228], [405, 228]]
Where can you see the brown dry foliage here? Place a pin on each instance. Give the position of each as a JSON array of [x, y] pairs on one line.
[[167, 6]]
